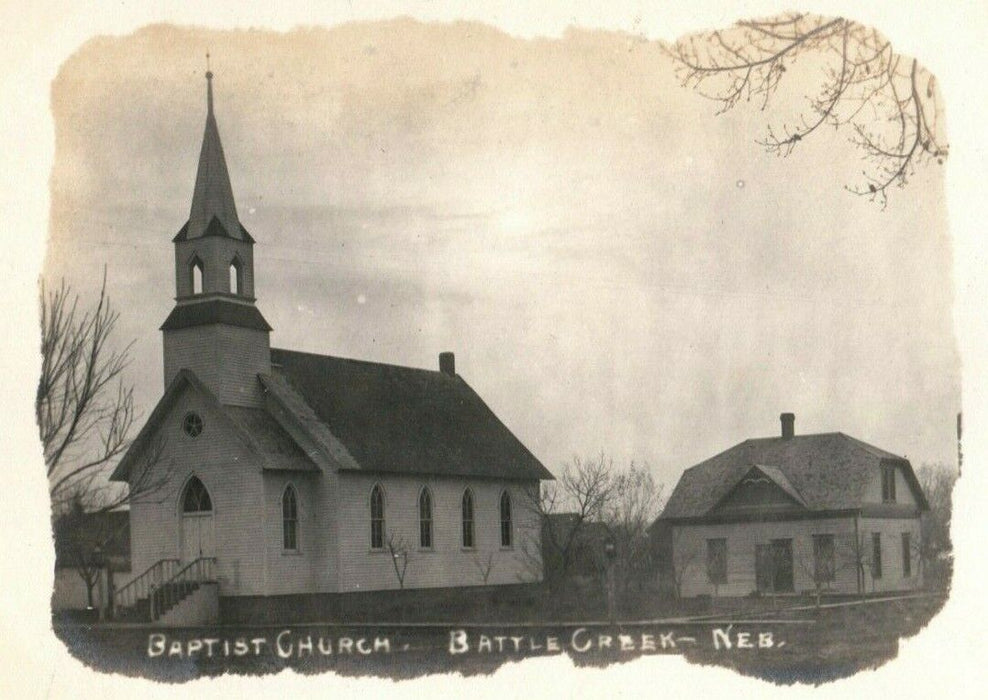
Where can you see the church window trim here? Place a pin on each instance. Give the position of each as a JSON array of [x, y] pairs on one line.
[[468, 536], [377, 520], [236, 272], [426, 539], [289, 520], [197, 284], [194, 498], [507, 534], [192, 424]]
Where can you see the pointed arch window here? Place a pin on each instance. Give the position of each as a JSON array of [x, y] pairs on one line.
[[289, 518], [468, 531], [195, 498], [236, 276], [425, 518], [377, 517], [505, 509], [196, 275]]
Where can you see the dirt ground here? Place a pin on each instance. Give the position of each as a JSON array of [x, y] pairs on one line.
[[780, 645]]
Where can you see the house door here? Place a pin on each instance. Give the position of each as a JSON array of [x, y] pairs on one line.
[[773, 567], [782, 559], [197, 537]]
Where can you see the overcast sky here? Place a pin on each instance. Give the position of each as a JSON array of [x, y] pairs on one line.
[[616, 268]]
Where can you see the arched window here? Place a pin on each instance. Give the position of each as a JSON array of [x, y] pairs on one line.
[[236, 277], [195, 272], [425, 519], [289, 518], [196, 497], [505, 519], [468, 540], [377, 517]]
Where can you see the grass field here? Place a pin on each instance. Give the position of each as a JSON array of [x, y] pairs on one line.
[[782, 645]]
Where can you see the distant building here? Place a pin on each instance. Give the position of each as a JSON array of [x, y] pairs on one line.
[[88, 546], [795, 513], [292, 477]]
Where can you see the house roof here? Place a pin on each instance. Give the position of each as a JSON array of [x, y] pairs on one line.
[[390, 419], [829, 471]]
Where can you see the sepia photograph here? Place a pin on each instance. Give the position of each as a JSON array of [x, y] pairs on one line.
[[399, 346]]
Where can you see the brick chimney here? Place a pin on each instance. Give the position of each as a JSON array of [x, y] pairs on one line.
[[788, 425], [447, 363]]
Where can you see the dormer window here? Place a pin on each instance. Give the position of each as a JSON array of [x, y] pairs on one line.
[[888, 483], [195, 274], [236, 277]]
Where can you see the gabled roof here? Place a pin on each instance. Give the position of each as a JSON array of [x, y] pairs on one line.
[[763, 473], [829, 471], [215, 228], [391, 419], [258, 431]]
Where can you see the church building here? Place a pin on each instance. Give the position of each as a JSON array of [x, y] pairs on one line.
[[286, 480]]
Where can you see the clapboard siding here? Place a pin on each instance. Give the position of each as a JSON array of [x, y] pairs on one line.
[[233, 478], [690, 546], [293, 571], [227, 359], [891, 530], [447, 563]]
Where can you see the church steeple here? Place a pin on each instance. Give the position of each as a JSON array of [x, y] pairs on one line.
[[213, 195], [215, 330]]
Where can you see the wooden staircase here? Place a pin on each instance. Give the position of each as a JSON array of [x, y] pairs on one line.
[[165, 584]]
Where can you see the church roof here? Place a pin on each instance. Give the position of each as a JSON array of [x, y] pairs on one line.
[[391, 419], [828, 471], [212, 198], [201, 313]]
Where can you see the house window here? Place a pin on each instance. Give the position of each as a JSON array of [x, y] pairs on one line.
[[888, 483], [196, 497], [824, 570], [236, 277], [289, 519], [907, 563], [195, 272], [717, 560], [468, 519], [425, 519], [377, 517], [876, 555], [505, 519]]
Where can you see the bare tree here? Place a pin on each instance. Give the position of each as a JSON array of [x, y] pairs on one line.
[[854, 552], [582, 493], [888, 103], [82, 538], [633, 503], [85, 412], [485, 565], [684, 558], [399, 551], [934, 546]]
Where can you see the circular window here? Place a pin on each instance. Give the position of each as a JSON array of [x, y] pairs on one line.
[[192, 424]]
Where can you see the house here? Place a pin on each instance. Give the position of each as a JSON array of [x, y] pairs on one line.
[[289, 479], [795, 513]]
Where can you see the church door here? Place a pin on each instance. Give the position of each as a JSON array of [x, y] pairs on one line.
[[197, 523]]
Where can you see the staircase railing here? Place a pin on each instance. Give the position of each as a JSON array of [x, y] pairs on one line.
[[173, 591], [141, 586]]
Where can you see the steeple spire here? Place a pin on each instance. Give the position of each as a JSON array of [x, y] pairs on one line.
[[214, 211]]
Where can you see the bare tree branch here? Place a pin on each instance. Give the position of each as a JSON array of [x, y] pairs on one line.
[[885, 109]]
